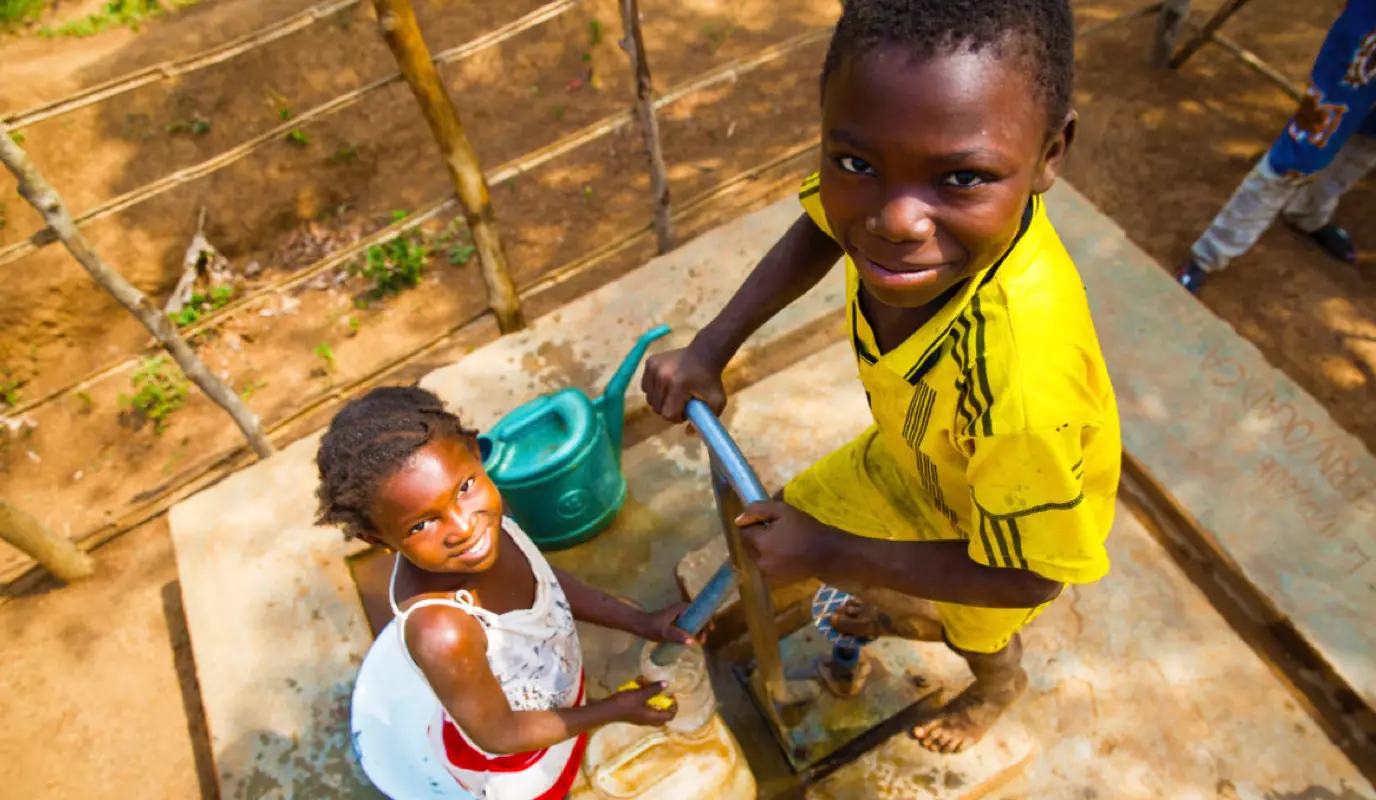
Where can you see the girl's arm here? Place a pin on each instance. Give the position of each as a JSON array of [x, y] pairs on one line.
[[590, 604], [450, 647]]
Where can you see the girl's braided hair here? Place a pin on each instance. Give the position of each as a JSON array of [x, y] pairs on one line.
[[368, 441]]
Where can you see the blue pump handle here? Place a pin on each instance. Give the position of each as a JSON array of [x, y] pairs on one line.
[[743, 479]]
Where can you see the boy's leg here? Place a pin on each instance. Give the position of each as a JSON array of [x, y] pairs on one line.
[[999, 681], [1333, 108], [1311, 209]]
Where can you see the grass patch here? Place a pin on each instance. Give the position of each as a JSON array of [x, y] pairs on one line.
[[201, 305], [17, 12], [116, 14], [160, 389]]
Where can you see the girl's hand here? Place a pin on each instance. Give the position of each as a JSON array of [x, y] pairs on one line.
[[658, 626], [630, 706]]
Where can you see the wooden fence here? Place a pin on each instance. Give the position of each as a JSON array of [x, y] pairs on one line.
[[418, 68]]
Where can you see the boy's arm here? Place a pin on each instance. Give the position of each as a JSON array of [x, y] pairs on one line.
[[794, 546], [795, 264], [450, 647], [590, 604]]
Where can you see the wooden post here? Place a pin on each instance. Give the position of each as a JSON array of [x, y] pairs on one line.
[[57, 554], [402, 32], [634, 45], [40, 194], [1169, 24], [1229, 8]]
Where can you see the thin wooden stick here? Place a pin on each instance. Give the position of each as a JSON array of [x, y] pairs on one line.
[[1169, 24], [1261, 67], [56, 554], [399, 27], [44, 237], [40, 194], [1229, 8], [515, 167], [634, 45]]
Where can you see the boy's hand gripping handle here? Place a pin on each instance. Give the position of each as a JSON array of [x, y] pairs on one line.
[[743, 479]]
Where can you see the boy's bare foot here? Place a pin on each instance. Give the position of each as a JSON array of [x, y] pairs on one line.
[[964, 721], [844, 680]]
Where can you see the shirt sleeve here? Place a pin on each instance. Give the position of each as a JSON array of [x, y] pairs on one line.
[[1029, 509], [810, 198]]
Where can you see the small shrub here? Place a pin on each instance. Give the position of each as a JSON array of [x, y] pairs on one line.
[[299, 138], [116, 13], [16, 12], [325, 353], [394, 266], [197, 126], [160, 389], [201, 305]]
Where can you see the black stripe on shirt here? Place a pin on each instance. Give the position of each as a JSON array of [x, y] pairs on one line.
[[981, 368]]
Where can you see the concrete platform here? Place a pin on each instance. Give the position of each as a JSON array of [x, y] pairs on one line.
[[276, 625], [1287, 495], [1157, 699]]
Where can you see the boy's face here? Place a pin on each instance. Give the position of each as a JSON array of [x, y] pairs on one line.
[[440, 510], [928, 165]]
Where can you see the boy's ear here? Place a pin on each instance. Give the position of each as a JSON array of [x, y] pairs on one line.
[[1053, 158]]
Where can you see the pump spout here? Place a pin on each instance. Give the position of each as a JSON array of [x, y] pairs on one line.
[[612, 404]]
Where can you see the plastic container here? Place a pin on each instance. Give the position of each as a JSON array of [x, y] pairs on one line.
[[694, 757]]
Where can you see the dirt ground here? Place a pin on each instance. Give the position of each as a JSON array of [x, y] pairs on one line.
[[85, 666]]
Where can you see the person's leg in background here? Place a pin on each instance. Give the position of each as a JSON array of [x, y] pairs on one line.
[[1310, 210], [1338, 104]]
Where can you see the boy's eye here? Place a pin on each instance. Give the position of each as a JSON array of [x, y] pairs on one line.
[[465, 486], [965, 179], [419, 526], [855, 166]]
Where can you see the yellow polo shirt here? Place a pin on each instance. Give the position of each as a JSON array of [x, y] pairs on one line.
[[995, 423]]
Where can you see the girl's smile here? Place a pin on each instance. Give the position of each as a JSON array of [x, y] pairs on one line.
[[440, 510]]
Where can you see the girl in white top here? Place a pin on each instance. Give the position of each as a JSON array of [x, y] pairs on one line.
[[481, 614]]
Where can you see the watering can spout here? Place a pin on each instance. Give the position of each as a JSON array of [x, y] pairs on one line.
[[612, 404]]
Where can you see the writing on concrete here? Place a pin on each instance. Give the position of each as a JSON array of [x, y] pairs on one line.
[[1335, 460]]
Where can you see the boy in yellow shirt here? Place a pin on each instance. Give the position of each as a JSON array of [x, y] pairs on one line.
[[988, 480]]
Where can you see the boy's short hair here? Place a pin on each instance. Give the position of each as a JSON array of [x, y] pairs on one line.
[[1042, 31], [369, 440]]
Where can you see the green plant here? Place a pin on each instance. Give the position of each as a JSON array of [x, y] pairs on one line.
[[284, 114], [394, 266], [160, 389], [398, 215], [325, 353], [85, 402], [461, 254], [297, 137], [200, 305], [558, 111], [14, 12], [10, 394], [251, 386], [353, 325], [594, 32], [128, 13], [197, 125], [17, 137], [346, 154]]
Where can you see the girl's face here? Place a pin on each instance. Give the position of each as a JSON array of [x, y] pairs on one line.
[[928, 166], [440, 510]]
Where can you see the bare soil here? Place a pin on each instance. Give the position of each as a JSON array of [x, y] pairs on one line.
[[101, 672]]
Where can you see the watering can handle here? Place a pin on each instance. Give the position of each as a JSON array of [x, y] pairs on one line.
[[743, 479]]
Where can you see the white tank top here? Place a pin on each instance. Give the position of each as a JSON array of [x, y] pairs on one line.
[[535, 656]]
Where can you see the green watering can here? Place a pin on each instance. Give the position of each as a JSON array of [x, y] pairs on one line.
[[557, 459]]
